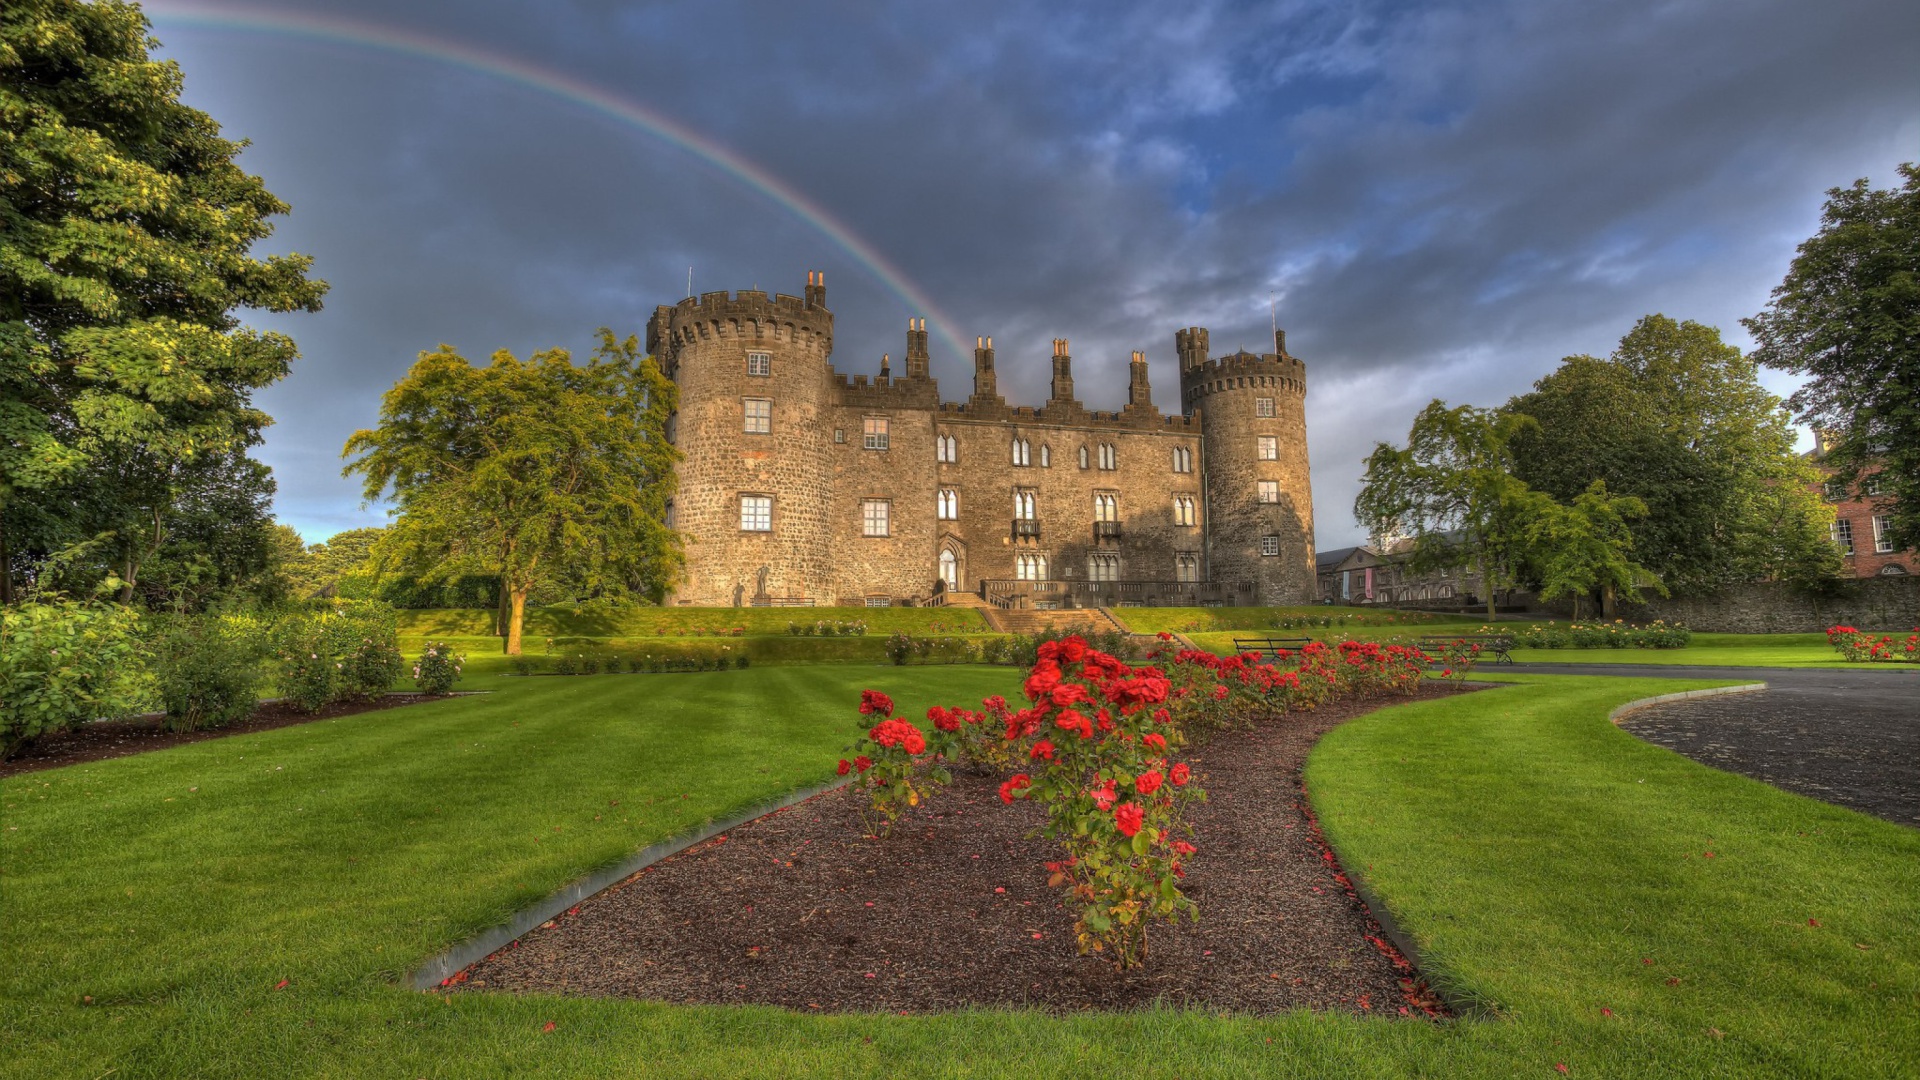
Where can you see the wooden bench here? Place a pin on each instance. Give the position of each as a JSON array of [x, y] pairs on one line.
[[1270, 647], [1497, 646]]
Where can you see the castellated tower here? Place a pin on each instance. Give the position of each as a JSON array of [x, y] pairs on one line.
[[1259, 501], [753, 424]]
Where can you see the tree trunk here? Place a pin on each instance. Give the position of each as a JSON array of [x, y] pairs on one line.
[[501, 613], [1606, 600], [127, 580], [516, 620], [1486, 582], [6, 570]]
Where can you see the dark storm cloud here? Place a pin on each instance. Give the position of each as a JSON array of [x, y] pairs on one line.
[[1444, 200]]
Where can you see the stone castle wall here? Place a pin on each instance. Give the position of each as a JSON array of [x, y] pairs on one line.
[[1769, 607], [815, 465]]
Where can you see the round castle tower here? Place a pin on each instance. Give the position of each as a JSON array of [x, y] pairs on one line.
[[1242, 401], [729, 354]]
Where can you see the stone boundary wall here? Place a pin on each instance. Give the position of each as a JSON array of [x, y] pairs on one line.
[[1877, 603]]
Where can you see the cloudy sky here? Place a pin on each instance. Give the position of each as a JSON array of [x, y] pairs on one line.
[[1442, 199]]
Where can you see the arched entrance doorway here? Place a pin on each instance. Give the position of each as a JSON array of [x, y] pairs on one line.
[[950, 569]]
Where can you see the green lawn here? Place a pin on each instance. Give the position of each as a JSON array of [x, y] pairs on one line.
[[1708, 650], [1537, 851], [561, 621], [1146, 620]]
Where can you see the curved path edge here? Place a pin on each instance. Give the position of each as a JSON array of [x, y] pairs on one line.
[[1640, 703], [466, 953]]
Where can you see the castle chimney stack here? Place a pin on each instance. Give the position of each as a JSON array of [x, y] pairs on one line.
[[1139, 391], [885, 360], [985, 384], [1062, 373], [1191, 344], [1280, 342], [816, 289], [918, 362]]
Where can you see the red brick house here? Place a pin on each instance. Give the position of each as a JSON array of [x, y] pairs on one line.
[[1860, 527]]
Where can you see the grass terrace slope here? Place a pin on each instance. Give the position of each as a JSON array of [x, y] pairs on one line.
[[1317, 620]]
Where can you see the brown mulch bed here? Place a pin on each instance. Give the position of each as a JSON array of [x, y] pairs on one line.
[[799, 909], [105, 739]]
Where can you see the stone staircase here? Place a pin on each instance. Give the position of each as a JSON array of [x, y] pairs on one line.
[[1034, 620]]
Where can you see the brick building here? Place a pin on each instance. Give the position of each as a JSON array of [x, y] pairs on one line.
[[1860, 527], [802, 485]]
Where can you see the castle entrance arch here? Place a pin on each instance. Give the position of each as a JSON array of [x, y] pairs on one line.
[[950, 570], [950, 566]]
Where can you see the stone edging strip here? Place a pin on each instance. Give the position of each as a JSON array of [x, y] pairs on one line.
[[464, 954], [1641, 703]]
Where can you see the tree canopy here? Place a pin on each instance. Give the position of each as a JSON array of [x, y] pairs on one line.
[[126, 232], [1677, 419], [1584, 548], [1848, 316], [1454, 490], [528, 470]]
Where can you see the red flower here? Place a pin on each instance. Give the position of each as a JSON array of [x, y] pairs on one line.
[[1127, 817], [1164, 636], [1042, 750], [1045, 676], [845, 767], [1017, 783], [1220, 693], [945, 720], [1068, 693], [1105, 795], [1162, 716], [1181, 847], [873, 701], [916, 743], [1069, 720], [863, 763], [1179, 774], [1148, 782], [1156, 740]]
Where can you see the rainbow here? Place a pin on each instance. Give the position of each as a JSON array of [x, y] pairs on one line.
[[354, 32]]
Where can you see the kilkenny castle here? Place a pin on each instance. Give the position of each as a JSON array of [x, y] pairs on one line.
[[803, 485]]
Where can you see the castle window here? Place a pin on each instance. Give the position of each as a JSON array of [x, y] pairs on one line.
[[1871, 485], [1269, 491], [946, 449], [759, 416], [1103, 566], [1046, 456], [1836, 490], [1186, 567], [1269, 448], [1183, 509], [875, 433], [756, 513], [759, 363], [1183, 459], [1109, 457], [1023, 505], [1083, 457], [1263, 406], [1021, 452], [949, 504], [1270, 545], [1843, 535], [839, 434], [1106, 506], [1030, 567], [1882, 535], [873, 517]]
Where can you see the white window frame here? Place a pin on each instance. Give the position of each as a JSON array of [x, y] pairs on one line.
[[1186, 566], [756, 513], [1183, 459], [946, 450], [1882, 541], [1109, 456], [1084, 460], [949, 504], [760, 364], [1025, 506], [1183, 510], [1029, 566], [1046, 456], [1022, 452], [876, 517], [1263, 407], [1270, 544], [1269, 447], [1843, 535], [756, 415], [1106, 506], [874, 433], [1103, 566], [1267, 492]]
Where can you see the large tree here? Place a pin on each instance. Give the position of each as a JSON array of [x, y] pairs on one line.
[[1848, 316], [528, 470], [1453, 489], [1586, 547], [1677, 418], [126, 228]]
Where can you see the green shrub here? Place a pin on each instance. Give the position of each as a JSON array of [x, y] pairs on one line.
[[339, 650], [64, 664], [208, 669], [437, 669], [1614, 635]]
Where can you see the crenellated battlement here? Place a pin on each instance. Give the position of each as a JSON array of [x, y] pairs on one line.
[[1124, 420], [1243, 371], [748, 315]]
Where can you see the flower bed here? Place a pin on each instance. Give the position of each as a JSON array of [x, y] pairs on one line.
[[1864, 647], [1658, 634]]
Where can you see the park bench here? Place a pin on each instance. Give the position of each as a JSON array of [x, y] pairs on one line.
[[1269, 647], [1498, 647]]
